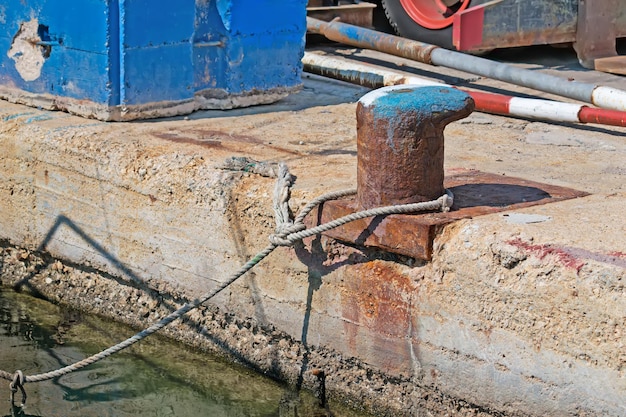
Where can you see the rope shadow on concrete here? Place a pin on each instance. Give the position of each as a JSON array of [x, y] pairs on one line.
[[134, 281]]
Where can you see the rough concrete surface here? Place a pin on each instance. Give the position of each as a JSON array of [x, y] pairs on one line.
[[519, 313]]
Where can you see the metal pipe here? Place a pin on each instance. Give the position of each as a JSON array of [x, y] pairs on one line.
[[375, 77], [601, 96]]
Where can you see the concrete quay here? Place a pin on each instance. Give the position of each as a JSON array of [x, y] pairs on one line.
[[519, 312]]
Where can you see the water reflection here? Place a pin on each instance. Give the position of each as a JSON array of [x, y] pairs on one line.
[[153, 378]]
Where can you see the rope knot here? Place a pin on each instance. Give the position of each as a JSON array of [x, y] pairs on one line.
[[283, 231], [18, 383], [447, 200]]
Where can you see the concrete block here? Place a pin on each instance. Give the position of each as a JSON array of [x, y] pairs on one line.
[[124, 60], [509, 317]]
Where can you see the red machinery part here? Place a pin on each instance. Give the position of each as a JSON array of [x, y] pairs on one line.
[[434, 14]]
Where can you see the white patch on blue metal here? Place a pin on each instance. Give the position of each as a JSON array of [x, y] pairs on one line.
[[224, 8], [28, 56], [370, 97]]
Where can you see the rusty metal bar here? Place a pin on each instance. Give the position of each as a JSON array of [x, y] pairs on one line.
[[601, 96], [540, 109]]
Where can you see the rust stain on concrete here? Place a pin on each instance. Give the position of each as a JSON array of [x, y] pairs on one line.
[[216, 139], [375, 297]]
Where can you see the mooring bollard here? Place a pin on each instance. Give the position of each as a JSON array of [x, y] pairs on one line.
[[400, 146], [400, 161]]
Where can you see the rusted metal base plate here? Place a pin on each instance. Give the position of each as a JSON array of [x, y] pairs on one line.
[[475, 193], [613, 64], [360, 14]]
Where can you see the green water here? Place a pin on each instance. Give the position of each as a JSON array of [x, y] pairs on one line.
[[155, 377]]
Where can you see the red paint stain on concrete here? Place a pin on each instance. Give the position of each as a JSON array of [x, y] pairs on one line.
[[572, 257], [563, 255]]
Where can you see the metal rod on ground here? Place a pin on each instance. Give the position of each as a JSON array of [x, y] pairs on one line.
[[371, 76], [601, 96]]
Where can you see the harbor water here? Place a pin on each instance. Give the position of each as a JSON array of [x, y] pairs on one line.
[[155, 377]]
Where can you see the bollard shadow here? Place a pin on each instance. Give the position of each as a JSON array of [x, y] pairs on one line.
[[495, 195], [63, 221]]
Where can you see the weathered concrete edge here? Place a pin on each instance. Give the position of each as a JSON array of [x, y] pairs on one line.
[[483, 274], [202, 100], [262, 347]]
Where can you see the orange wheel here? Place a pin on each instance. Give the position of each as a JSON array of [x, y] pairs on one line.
[[433, 14], [427, 21]]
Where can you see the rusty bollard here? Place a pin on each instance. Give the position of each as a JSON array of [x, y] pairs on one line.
[[400, 148]]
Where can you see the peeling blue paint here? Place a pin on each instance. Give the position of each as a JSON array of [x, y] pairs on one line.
[[131, 52], [423, 103], [224, 10], [38, 118], [15, 116]]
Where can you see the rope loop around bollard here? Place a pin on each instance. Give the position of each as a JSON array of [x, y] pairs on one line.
[[287, 233], [443, 203]]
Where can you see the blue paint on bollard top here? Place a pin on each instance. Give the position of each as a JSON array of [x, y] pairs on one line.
[[396, 106], [424, 101]]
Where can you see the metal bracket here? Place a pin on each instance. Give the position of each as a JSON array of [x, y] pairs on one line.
[[595, 32], [475, 193]]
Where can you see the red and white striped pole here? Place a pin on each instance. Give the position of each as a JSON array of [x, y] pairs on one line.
[[545, 109], [501, 104]]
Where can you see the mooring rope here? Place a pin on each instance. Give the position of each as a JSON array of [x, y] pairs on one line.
[[287, 233]]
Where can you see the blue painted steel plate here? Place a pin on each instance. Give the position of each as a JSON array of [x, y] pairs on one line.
[[124, 59]]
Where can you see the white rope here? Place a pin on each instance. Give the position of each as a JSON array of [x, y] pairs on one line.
[[296, 230], [288, 231]]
